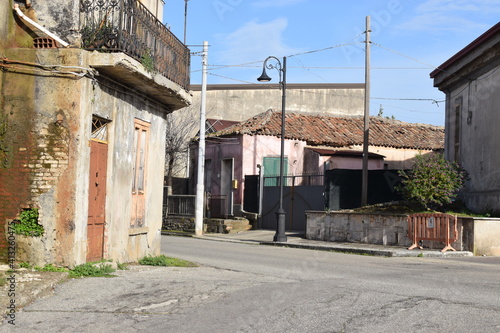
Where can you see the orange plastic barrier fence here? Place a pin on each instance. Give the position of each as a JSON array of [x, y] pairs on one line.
[[432, 227]]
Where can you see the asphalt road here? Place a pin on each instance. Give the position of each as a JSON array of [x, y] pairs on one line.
[[255, 288]]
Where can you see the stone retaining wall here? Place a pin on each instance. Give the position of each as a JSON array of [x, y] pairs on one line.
[[357, 228], [481, 236]]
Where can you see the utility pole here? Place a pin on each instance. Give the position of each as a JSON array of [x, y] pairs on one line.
[[200, 186], [185, 19], [364, 187]]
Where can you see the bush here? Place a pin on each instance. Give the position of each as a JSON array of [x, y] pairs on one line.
[[433, 181], [28, 224]]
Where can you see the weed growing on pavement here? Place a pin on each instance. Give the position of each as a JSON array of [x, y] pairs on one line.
[[50, 268], [162, 260], [122, 267], [26, 265], [91, 270]]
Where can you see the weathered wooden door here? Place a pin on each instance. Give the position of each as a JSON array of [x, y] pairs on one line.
[[141, 139], [97, 200]]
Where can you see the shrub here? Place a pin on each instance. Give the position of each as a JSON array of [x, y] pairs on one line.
[[433, 181], [28, 224]]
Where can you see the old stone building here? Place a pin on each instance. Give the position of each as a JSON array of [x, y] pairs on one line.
[[82, 132]]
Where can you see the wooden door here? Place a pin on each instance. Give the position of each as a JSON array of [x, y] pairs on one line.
[[227, 176], [141, 139], [97, 200]]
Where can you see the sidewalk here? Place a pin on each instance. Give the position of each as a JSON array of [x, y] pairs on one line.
[[297, 240]]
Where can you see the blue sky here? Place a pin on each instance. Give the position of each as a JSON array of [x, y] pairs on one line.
[[323, 40]]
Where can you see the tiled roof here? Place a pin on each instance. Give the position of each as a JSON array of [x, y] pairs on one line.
[[341, 131], [214, 125]]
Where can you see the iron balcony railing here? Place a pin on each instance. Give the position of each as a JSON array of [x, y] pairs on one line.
[[128, 26]]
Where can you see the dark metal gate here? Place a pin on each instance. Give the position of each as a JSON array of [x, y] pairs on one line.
[[300, 193], [343, 187]]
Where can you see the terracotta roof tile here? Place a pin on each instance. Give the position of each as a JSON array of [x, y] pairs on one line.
[[341, 131]]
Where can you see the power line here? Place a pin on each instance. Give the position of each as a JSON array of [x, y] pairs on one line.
[[321, 50]]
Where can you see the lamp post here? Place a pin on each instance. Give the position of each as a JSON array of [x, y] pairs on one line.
[[280, 235]]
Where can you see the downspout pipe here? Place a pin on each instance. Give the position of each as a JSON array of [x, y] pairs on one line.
[[30, 22]]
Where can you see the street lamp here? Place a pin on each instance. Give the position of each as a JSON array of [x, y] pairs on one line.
[[280, 235]]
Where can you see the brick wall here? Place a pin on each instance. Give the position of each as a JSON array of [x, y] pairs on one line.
[[34, 151], [16, 154]]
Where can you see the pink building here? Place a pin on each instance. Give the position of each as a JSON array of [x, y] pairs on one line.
[[313, 144]]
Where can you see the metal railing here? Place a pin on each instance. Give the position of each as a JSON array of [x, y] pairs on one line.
[[179, 205], [128, 26], [297, 180]]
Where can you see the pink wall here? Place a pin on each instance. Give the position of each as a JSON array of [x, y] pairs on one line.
[[354, 163], [248, 151]]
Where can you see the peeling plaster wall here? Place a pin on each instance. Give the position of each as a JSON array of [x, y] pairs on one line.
[[46, 159], [60, 17], [122, 107], [39, 169]]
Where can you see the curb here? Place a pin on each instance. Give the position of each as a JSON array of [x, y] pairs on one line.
[[347, 249]]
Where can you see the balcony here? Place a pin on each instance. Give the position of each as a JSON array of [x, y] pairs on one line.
[[128, 26]]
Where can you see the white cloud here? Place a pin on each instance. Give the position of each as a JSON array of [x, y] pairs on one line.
[[275, 3], [255, 41], [451, 15]]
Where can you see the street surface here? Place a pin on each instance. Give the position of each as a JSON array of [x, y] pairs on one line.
[[255, 288]]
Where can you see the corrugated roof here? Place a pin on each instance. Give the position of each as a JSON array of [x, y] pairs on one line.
[[341, 131]]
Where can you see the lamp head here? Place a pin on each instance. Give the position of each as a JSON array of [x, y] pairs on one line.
[[264, 77]]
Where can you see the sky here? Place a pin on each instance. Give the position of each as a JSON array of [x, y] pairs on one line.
[[323, 41]]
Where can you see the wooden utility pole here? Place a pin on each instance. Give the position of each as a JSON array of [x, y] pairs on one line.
[[364, 188]]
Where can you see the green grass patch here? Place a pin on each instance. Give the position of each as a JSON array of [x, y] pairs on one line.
[[162, 260], [91, 270], [50, 268], [410, 207]]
